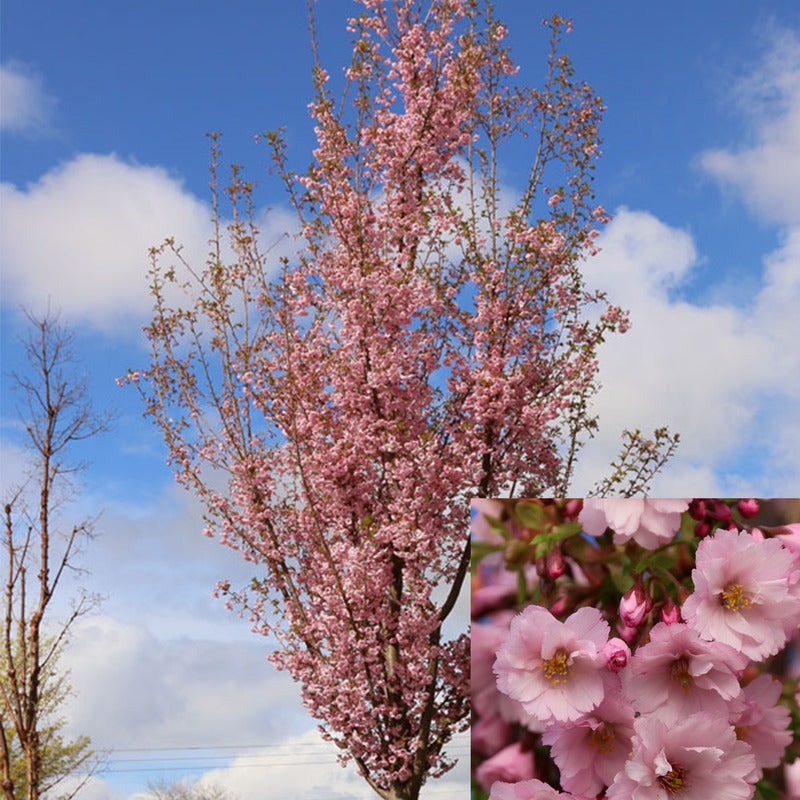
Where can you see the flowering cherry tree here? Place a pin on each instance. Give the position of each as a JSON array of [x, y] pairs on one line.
[[635, 648], [432, 339]]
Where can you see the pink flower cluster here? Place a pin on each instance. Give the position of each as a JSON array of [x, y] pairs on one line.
[[674, 710]]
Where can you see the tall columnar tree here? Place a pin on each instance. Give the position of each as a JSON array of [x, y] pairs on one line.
[[431, 339], [39, 550]]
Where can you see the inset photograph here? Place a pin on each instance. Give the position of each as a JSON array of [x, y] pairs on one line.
[[635, 647]]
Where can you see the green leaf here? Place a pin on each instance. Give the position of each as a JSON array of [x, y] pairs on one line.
[[531, 515], [496, 525], [566, 530], [621, 580], [766, 791]]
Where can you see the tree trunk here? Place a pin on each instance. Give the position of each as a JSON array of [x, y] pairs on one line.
[[33, 768]]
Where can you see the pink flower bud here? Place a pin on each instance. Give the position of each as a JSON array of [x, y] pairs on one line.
[[617, 654], [634, 606], [556, 566], [720, 511], [702, 529], [697, 509], [627, 633], [573, 508], [560, 606], [748, 508], [670, 613]]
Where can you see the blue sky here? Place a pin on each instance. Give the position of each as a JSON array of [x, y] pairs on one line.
[[102, 123]]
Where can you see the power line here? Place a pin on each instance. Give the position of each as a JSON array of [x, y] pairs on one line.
[[236, 760], [263, 745]]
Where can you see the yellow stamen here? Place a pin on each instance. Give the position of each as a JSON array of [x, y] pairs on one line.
[[741, 732], [557, 668], [674, 782], [603, 738], [680, 673], [734, 597]]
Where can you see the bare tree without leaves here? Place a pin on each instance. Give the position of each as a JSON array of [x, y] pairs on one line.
[[181, 790], [56, 413]]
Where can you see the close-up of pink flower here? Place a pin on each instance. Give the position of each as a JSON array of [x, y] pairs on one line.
[[694, 698], [651, 523], [590, 752], [527, 790], [696, 758], [677, 673], [742, 593], [760, 720], [556, 670]]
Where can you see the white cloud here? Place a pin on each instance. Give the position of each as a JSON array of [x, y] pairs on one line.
[[132, 689], [301, 768], [16, 468], [25, 107], [726, 377], [305, 768], [767, 173], [91, 788], [80, 236], [716, 374]]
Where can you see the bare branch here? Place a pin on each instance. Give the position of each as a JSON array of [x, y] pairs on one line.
[[56, 413]]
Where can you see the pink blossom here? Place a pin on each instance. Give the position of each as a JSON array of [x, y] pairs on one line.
[[633, 606], [512, 763], [628, 633], [487, 699], [742, 593], [678, 673], [500, 32], [649, 522], [697, 509], [670, 613], [791, 773], [789, 537], [527, 790], [761, 721], [556, 565], [379, 388], [617, 653], [554, 668], [590, 752], [757, 534], [696, 758], [748, 508]]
